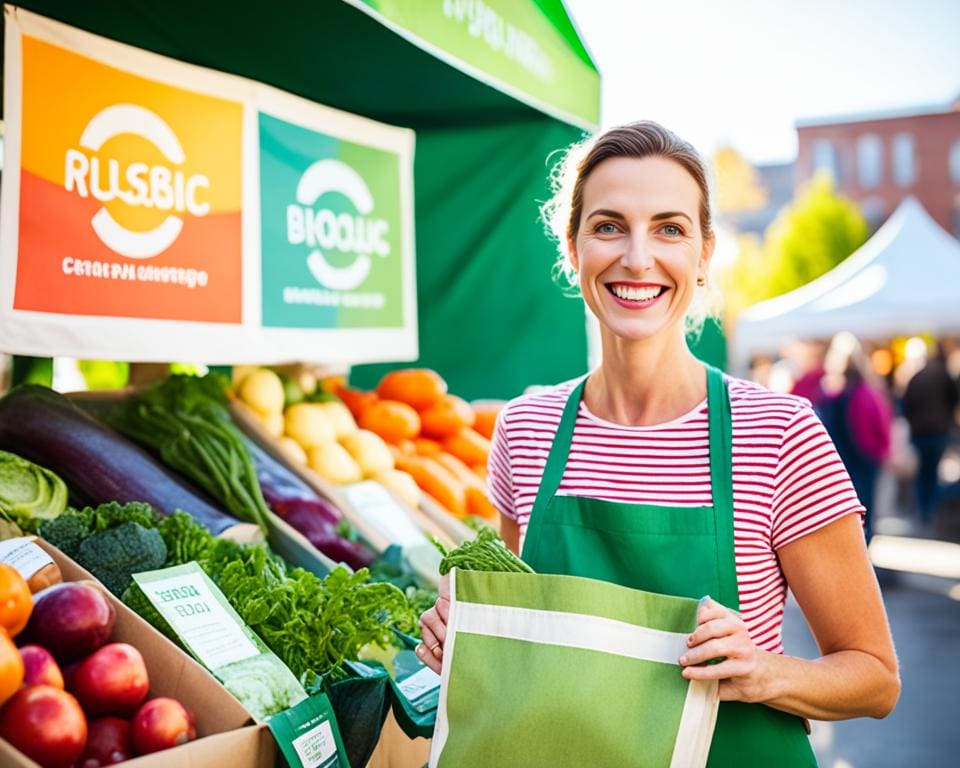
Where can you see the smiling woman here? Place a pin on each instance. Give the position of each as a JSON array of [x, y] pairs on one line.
[[658, 473]]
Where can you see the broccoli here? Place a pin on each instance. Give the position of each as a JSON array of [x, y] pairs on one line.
[[114, 514], [67, 531], [113, 556]]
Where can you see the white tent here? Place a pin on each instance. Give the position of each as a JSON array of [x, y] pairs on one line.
[[905, 279]]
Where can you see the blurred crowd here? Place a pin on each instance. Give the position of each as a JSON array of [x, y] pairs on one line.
[[892, 412]]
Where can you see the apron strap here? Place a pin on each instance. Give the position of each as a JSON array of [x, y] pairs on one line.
[[721, 484], [557, 459]]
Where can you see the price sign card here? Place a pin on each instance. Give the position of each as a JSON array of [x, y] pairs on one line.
[[212, 631]]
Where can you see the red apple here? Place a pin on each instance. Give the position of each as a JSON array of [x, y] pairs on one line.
[[46, 724], [112, 680], [70, 620], [162, 723], [39, 667], [109, 741]]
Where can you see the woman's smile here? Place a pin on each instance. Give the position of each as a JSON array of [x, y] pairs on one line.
[[636, 296]]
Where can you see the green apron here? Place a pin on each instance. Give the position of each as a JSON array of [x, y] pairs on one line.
[[680, 551]]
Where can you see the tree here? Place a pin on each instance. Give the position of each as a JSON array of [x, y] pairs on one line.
[[738, 186], [809, 237]]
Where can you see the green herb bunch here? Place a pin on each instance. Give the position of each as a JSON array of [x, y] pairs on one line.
[[312, 624], [487, 552], [185, 419]]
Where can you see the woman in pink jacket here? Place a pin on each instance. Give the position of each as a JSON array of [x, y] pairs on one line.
[[858, 417]]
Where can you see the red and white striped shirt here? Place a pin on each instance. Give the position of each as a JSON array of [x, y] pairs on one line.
[[788, 479]]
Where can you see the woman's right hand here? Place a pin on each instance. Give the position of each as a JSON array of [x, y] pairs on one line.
[[433, 628]]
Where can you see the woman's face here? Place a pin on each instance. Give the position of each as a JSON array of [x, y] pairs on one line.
[[640, 249]]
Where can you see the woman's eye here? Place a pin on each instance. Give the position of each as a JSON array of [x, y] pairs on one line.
[[672, 230], [607, 228]]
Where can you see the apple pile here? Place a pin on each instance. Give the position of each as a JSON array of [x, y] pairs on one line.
[[70, 698]]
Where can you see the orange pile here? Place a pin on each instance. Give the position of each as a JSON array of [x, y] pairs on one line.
[[436, 437]]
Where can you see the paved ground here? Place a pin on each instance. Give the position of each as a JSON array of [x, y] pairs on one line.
[[924, 730]]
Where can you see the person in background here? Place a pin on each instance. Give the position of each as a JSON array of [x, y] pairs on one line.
[[659, 473], [810, 372], [858, 416], [929, 402]]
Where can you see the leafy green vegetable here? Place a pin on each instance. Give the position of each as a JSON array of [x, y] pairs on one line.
[[262, 683], [29, 492], [486, 552], [185, 537], [186, 421], [115, 555], [313, 625]]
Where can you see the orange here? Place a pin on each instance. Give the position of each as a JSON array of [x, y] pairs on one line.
[[11, 667], [470, 447], [392, 420], [357, 401], [486, 419], [15, 600], [446, 417], [426, 447], [417, 387]]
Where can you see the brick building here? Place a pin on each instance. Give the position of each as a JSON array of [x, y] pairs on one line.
[[879, 159]]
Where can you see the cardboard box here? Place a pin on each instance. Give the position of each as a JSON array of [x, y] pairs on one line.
[[224, 727], [397, 750]]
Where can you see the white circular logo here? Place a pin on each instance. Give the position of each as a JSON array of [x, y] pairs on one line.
[[138, 184], [358, 234]]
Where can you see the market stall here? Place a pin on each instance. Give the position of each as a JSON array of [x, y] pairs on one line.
[[340, 183]]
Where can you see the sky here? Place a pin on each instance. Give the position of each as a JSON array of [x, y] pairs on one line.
[[742, 72]]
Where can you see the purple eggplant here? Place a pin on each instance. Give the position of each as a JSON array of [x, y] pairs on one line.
[[326, 537], [96, 462]]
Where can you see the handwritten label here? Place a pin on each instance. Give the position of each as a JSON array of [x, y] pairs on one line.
[[209, 628], [25, 557]]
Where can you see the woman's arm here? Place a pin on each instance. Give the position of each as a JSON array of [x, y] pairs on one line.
[[857, 675], [510, 533]]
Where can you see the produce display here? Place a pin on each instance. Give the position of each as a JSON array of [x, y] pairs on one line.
[[410, 435], [167, 476], [69, 696]]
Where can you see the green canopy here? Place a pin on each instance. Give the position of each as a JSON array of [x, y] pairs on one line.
[[490, 87]]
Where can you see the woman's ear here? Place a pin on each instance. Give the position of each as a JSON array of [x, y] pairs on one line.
[[709, 244], [572, 254]]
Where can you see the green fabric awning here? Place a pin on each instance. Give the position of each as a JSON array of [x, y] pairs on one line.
[[491, 318]]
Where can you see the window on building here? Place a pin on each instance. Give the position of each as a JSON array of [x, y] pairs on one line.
[[873, 211], [904, 162], [870, 160], [825, 158], [955, 162]]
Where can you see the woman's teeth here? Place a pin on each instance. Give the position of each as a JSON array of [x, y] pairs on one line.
[[630, 293]]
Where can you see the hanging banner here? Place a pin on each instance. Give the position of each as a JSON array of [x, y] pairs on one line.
[[154, 210], [525, 48]]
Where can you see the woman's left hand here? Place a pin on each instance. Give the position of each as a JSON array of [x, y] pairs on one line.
[[721, 633]]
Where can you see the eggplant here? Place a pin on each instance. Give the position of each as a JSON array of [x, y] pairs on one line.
[[316, 517], [325, 536], [43, 426]]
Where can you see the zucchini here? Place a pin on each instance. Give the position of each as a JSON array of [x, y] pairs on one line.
[[97, 463]]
